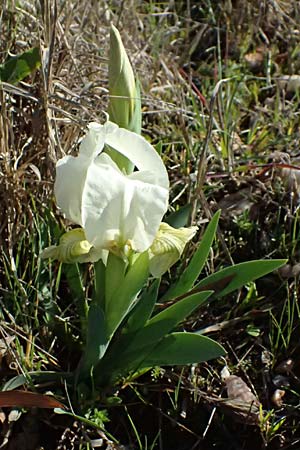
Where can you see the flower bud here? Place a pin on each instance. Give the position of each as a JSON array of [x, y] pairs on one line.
[[125, 103]]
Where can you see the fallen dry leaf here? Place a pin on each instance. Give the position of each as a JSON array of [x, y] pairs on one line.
[[237, 389], [26, 399], [244, 405], [241, 403]]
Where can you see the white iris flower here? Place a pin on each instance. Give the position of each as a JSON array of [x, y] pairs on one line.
[[116, 210]]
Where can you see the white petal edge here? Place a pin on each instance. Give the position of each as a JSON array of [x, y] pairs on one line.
[[138, 151]]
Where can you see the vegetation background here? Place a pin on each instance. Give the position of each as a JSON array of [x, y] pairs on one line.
[[220, 93]]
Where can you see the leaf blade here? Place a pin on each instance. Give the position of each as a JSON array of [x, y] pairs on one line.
[[18, 67], [96, 341], [147, 338], [117, 309], [143, 309], [182, 349], [191, 273], [242, 274]]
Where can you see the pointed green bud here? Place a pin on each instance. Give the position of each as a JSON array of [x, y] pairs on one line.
[[168, 246], [73, 247], [125, 103]]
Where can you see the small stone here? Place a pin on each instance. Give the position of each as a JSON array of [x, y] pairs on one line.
[[225, 373], [277, 397], [280, 381]]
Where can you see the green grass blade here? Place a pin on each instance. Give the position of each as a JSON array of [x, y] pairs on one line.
[[192, 272], [88, 422]]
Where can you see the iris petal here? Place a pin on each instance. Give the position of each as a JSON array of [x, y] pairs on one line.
[[129, 210], [168, 246], [73, 247], [139, 152]]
